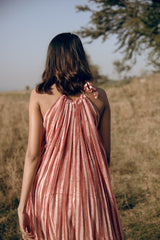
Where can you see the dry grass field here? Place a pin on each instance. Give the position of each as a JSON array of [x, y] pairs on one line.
[[135, 156]]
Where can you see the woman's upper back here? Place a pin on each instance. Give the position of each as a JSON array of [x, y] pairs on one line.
[[45, 101], [41, 103]]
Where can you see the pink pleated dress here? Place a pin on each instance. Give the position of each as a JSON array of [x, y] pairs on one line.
[[72, 198]]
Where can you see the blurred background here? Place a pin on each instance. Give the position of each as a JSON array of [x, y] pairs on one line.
[[122, 42], [27, 28]]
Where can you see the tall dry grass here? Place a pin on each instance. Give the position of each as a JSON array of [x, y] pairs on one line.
[[135, 156], [13, 142]]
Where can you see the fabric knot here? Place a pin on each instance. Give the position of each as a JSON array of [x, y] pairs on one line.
[[89, 87]]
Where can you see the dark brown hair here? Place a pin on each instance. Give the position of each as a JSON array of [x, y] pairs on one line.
[[66, 66]]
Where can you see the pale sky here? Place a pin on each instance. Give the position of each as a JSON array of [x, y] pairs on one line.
[[27, 27]]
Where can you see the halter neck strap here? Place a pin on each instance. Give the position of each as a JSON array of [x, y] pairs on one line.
[[89, 87]]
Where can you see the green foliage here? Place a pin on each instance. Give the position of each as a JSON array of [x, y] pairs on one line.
[[121, 67], [98, 78], [136, 24], [27, 88]]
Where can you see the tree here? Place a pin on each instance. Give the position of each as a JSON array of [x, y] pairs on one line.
[[98, 78], [27, 88], [136, 24], [121, 67]]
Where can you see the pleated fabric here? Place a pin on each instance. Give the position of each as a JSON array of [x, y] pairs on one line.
[[72, 198]]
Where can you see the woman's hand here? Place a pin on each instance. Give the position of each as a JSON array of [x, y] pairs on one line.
[[24, 225]]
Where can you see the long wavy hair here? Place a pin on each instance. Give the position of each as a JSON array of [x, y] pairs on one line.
[[66, 66]]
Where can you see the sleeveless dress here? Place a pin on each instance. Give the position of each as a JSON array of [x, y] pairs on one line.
[[71, 197]]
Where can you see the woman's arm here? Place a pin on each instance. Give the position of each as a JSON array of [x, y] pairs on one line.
[[105, 126], [33, 152]]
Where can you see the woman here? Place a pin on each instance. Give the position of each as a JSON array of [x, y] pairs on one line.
[[66, 192]]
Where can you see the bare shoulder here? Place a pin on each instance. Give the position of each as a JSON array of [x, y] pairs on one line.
[[34, 97], [34, 94], [103, 97]]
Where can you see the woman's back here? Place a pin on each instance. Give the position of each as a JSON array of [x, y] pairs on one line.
[[47, 100], [72, 185], [101, 105]]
